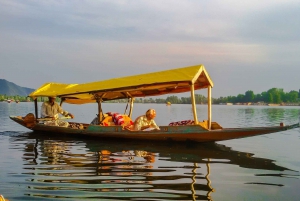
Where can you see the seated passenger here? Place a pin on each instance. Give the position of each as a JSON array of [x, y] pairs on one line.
[[146, 122]]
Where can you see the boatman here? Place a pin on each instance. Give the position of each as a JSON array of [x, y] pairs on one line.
[[146, 122], [51, 109]]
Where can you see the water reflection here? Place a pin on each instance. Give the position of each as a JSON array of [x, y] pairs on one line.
[[275, 114], [66, 168], [262, 115]]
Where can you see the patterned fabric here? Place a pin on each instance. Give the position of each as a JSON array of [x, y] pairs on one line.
[[107, 123], [119, 119], [181, 123], [57, 123]]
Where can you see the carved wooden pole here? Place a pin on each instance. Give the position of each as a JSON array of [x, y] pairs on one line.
[[100, 113], [36, 108], [209, 106], [194, 104], [131, 107]]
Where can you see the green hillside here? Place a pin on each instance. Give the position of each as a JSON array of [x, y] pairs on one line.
[[11, 89]]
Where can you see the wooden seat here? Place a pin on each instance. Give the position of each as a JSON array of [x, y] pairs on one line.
[[214, 125]]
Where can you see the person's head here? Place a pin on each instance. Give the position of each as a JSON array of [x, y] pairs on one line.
[[51, 99], [151, 114]]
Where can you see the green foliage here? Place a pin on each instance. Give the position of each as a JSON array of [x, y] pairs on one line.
[[14, 98], [273, 95], [173, 100], [249, 96], [292, 97], [269, 98], [240, 98]]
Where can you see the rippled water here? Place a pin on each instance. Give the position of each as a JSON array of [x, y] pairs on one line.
[[36, 166]]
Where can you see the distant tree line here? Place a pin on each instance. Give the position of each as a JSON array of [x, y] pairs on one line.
[[273, 95], [17, 97], [20, 98]]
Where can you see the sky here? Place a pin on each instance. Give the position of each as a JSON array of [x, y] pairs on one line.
[[244, 45]]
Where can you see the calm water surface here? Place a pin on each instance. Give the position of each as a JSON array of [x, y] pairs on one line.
[[36, 166]]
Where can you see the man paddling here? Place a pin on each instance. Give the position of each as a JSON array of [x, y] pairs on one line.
[[51, 109]]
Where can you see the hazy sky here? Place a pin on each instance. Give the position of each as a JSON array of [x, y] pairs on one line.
[[244, 45]]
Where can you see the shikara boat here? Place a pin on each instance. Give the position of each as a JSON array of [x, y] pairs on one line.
[[180, 80]]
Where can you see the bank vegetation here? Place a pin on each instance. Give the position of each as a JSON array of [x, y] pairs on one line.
[[272, 96]]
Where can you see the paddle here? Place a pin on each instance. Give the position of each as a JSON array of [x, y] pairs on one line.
[[50, 119]]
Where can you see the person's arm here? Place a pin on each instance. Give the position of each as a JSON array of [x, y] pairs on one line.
[[145, 127], [71, 115], [64, 112], [153, 124]]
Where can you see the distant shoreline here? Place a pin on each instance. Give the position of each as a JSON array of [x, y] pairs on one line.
[[222, 104]]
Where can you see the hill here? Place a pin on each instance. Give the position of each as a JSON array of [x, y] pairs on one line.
[[11, 89]]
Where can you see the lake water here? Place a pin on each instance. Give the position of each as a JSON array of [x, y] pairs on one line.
[[37, 166]]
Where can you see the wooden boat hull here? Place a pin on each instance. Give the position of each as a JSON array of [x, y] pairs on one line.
[[171, 133]]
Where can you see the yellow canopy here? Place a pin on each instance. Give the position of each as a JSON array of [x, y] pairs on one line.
[[151, 84]]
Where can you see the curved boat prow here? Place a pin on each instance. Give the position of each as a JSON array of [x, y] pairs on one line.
[[28, 121], [288, 127]]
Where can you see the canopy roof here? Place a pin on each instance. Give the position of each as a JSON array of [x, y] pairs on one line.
[[177, 80]]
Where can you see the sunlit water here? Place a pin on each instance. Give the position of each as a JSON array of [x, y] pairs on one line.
[[37, 166]]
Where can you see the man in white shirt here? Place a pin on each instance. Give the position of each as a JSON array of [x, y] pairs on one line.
[[51, 109], [146, 122]]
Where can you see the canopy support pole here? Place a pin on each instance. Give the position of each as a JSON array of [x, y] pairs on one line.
[[209, 106], [131, 107], [100, 113], [194, 104], [36, 108], [61, 101], [99, 100]]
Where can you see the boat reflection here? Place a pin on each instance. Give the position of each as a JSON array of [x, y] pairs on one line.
[[59, 167]]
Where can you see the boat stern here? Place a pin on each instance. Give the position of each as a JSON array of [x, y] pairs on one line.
[[28, 121]]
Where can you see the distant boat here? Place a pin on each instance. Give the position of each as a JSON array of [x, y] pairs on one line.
[[8, 100], [272, 104], [17, 101], [168, 103], [225, 103]]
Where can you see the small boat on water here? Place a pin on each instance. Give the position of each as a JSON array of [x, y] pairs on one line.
[[180, 80], [168, 103], [273, 104]]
